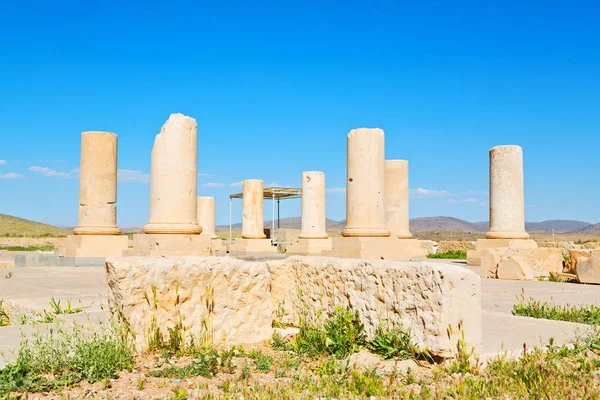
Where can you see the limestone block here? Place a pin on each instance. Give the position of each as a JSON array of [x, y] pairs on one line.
[[314, 247], [168, 245], [92, 220], [229, 296], [522, 264], [430, 246], [588, 268], [94, 246], [250, 246], [474, 256], [425, 298], [574, 255], [367, 360], [377, 248]]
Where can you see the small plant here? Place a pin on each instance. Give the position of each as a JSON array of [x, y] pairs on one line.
[[4, 319], [392, 343], [179, 394], [245, 374], [278, 342], [58, 310], [450, 255], [345, 332], [262, 361], [207, 366], [141, 382], [9, 275]]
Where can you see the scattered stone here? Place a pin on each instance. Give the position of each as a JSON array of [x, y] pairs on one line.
[[574, 255], [366, 359], [521, 264]]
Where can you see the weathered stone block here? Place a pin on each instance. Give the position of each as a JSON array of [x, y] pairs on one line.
[[574, 255], [588, 268], [434, 301], [160, 292], [521, 264]]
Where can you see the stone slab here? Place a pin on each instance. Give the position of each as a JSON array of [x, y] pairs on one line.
[[314, 247], [521, 264], [94, 245], [169, 245], [251, 246], [377, 248], [55, 260], [588, 268], [474, 256]]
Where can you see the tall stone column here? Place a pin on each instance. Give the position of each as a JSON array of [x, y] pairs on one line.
[[206, 216], [253, 210], [507, 200], [365, 185], [173, 178], [396, 198], [313, 206], [98, 185]]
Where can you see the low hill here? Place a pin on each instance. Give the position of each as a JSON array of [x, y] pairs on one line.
[[592, 230], [14, 226]]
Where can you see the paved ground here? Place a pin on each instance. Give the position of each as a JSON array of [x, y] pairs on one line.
[[33, 288]]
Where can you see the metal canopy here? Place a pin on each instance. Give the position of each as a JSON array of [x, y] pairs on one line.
[[273, 193]]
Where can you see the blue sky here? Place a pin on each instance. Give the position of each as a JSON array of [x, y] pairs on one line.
[[276, 87]]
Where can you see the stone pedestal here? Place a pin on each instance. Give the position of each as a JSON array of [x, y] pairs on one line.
[[311, 247], [396, 198], [170, 245], [94, 246], [377, 248], [507, 201], [365, 184], [206, 216], [253, 222], [313, 206], [251, 246], [474, 256], [173, 178]]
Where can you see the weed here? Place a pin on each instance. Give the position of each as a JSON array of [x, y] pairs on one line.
[[450, 255], [63, 358], [392, 343], [141, 382], [4, 319], [278, 342], [245, 374], [207, 366], [588, 314], [179, 394], [58, 310], [345, 332], [262, 361]]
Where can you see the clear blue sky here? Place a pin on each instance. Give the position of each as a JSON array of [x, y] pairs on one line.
[[276, 86]]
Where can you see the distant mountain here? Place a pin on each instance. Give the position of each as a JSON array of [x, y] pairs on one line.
[[14, 226], [559, 226], [448, 224]]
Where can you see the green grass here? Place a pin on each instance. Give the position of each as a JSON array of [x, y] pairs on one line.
[[63, 358], [43, 247], [4, 318], [450, 255], [588, 314]]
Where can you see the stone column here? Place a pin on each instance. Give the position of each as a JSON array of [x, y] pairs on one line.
[[507, 200], [313, 206], [206, 216], [173, 178], [253, 224], [396, 198], [98, 185], [365, 185]]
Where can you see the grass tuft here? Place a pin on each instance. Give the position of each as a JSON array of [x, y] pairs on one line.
[[449, 255]]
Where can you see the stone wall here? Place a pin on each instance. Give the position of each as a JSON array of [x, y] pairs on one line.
[[455, 245], [436, 302]]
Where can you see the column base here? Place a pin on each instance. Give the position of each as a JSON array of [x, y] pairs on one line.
[[97, 230], [94, 246], [311, 247], [251, 246], [366, 232], [474, 256], [169, 245], [377, 248], [183, 229], [506, 235]]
